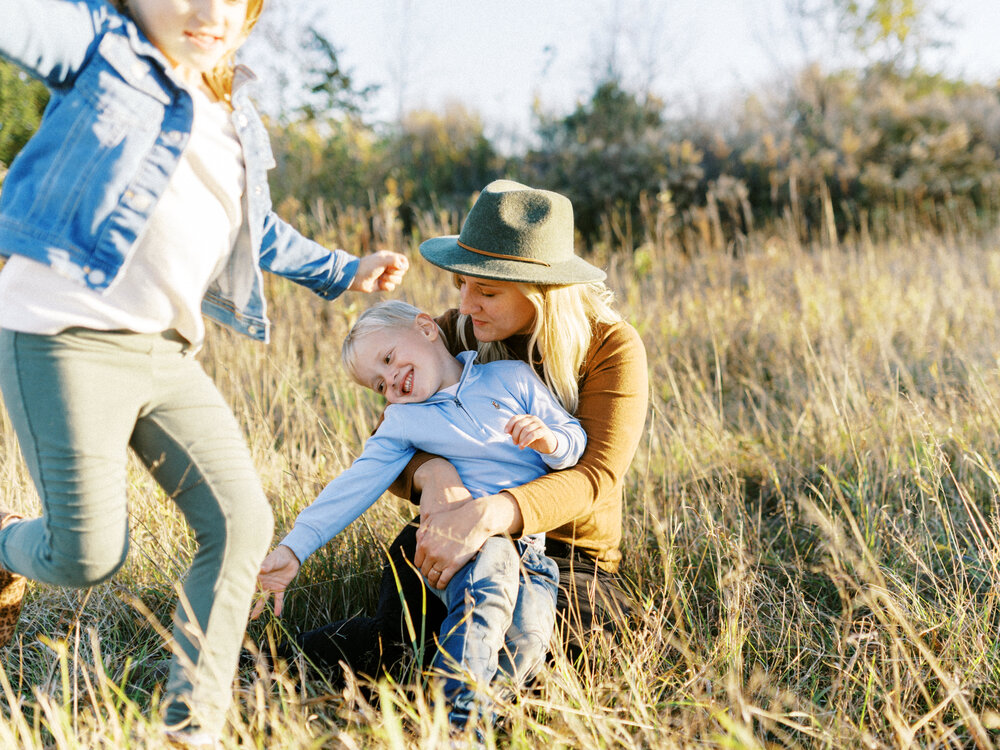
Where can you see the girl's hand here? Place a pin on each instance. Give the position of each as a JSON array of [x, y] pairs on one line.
[[528, 431], [379, 272], [448, 539], [276, 572]]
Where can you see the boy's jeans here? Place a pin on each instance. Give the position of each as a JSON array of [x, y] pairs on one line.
[[501, 613]]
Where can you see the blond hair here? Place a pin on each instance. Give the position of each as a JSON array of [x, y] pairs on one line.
[[392, 314], [220, 79], [565, 316]]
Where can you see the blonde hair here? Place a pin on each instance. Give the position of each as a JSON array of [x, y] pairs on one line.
[[220, 79], [565, 316], [392, 314]]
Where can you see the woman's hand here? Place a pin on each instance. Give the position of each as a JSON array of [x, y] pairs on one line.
[[276, 572], [440, 487], [379, 272], [449, 538]]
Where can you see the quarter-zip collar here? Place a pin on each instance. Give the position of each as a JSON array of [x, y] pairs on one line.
[[467, 359]]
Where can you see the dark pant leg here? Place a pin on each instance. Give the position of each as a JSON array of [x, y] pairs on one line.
[[591, 602], [371, 645]]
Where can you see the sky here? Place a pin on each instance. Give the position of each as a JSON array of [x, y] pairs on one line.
[[497, 57]]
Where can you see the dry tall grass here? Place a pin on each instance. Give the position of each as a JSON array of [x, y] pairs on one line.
[[811, 521]]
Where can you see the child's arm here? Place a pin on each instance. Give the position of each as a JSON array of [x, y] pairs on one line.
[[336, 507], [50, 39], [328, 273], [565, 437], [349, 495]]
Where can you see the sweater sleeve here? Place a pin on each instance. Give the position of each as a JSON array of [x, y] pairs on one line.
[[614, 395]]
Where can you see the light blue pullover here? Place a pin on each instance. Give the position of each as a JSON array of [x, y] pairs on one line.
[[466, 427]]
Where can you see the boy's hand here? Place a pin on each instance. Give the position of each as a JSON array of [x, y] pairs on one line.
[[379, 272], [528, 431], [276, 572]]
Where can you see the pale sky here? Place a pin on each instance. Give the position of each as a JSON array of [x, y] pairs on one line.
[[496, 57]]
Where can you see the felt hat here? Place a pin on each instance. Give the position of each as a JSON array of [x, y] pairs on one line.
[[515, 233]]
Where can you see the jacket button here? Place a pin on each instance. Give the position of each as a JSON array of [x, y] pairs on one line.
[[251, 330], [96, 276]]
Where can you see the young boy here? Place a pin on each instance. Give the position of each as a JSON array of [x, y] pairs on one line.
[[482, 417]]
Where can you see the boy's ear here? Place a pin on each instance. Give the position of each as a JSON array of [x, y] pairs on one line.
[[425, 323]]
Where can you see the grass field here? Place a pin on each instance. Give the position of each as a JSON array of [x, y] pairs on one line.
[[811, 521]]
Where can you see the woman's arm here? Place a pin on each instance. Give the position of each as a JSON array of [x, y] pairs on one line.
[[614, 398], [452, 532]]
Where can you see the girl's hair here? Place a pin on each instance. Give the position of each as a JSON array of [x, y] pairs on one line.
[[220, 79], [565, 316], [391, 314]]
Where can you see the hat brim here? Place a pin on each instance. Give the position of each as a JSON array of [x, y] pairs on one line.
[[446, 253]]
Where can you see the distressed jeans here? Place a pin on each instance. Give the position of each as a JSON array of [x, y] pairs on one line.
[[501, 613], [78, 400]]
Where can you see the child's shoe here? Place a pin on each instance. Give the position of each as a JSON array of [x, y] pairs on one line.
[[12, 588]]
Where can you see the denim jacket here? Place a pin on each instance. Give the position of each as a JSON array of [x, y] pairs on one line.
[[80, 192]]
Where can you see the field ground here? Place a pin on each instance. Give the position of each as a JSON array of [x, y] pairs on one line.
[[810, 531]]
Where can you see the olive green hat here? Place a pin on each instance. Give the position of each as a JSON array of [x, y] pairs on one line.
[[515, 233]]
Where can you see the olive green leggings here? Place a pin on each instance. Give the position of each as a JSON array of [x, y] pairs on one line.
[[77, 401]]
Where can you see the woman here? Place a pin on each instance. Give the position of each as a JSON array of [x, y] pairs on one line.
[[525, 295]]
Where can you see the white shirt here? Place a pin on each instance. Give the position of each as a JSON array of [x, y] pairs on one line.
[[183, 246]]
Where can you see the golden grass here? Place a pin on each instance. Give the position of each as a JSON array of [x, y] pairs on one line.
[[810, 525]]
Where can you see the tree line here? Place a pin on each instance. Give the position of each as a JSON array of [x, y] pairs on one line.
[[822, 148]]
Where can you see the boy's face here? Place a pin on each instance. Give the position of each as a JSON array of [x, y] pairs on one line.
[[406, 365], [194, 35]]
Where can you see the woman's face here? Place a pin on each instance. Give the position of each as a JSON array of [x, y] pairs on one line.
[[498, 309], [194, 35]]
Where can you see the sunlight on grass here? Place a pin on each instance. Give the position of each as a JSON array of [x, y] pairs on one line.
[[810, 529]]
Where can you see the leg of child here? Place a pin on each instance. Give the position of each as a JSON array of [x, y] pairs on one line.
[[72, 399], [526, 644], [76, 400], [480, 599], [195, 449]]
